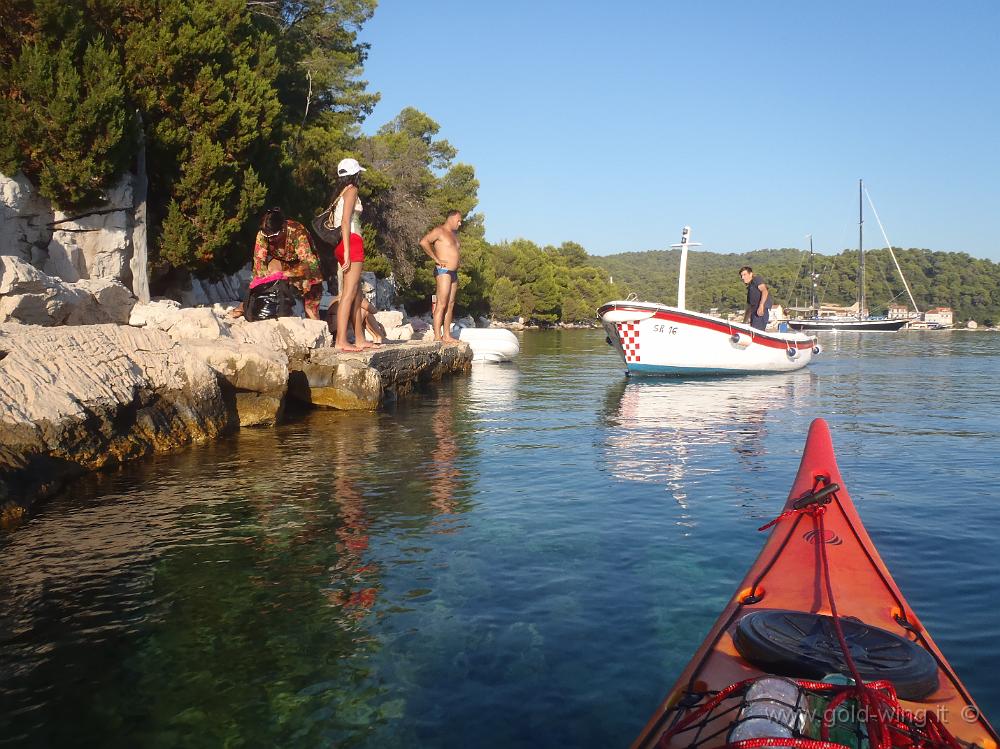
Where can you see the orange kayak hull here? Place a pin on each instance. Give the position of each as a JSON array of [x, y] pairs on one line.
[[789, 575]]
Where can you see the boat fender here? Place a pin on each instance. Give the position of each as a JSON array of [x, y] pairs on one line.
[[773, 640], [741, 339], [817, 349], [772, 708], [792, 352]]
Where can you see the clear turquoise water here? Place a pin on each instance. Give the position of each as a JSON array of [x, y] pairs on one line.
[[524, 557]]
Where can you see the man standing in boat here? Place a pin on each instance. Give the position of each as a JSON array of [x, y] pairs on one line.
[[758, 299], [441, 244]]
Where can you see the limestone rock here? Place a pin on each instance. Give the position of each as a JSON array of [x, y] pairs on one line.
[[368, 287], [244, 366], [17, 276], [199, 323], [389, 318], [404, 367], [334, 381], [24, 218], [93, 244], [113, 299], [419, 325], [254, 377], [386, 294], [395, 328], [260, 409], [81, 398], [366, 379], [294, 336], [196, 292], [29, 296], [159, 314], [401, 333]]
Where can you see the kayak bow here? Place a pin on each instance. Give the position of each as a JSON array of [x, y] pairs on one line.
[[818, 613]]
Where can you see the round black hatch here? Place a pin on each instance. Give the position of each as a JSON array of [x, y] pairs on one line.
[[805, 646]]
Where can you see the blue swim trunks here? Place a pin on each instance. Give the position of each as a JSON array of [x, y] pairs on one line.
[[439, 271]]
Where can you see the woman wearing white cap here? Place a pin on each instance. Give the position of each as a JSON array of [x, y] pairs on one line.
[[350, 254]]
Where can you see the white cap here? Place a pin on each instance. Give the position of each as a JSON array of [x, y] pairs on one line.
[[347, 167]]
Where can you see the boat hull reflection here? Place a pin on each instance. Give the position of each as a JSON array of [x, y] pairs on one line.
[[662, 432]]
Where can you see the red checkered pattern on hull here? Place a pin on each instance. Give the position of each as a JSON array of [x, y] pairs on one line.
[[628, 332]]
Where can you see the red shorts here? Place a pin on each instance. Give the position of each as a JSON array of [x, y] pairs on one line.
[[357, 250]]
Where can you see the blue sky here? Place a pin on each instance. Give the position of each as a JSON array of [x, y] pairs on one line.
[[615, 124]]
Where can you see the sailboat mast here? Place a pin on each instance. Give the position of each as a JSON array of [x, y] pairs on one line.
[[861, 252], [812, 279]]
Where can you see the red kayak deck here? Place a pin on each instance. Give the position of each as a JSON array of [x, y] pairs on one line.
[[788, 576]]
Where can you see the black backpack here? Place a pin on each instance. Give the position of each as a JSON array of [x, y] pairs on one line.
[[269, 301]]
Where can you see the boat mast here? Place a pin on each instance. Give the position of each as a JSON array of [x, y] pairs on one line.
[[812, 279], [682, 277], [892, 254], [861, 253]]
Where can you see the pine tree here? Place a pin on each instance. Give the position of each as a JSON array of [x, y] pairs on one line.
[[204, 79], [64, 119]]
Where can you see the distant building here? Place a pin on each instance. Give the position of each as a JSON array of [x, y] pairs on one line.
[[898, 311], [943, 316]]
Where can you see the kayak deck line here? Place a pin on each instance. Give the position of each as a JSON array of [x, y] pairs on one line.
[[819, 622]]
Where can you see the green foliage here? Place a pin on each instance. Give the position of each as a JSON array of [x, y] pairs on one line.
[[503, 298], [320, 91], [520, 279], [410, 186], [64, 120], [205, 83], [239, 102]]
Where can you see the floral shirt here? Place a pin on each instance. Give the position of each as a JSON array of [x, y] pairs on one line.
[[294, 250]]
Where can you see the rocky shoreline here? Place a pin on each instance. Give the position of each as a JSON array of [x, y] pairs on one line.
[[77, 398]]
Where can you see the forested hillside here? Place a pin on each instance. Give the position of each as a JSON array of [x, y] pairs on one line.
[[968, 285]]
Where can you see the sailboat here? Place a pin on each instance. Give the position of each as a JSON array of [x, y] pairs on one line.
[[654, 339], [860, 322]]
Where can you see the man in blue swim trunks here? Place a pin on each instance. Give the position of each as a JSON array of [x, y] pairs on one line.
[[441, 244]]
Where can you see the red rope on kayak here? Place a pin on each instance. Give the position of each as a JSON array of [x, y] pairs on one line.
[[782, 516], [778, 741], [701, 711], [885, 718]]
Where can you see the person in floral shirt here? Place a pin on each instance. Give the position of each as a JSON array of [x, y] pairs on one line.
[[288, 242]]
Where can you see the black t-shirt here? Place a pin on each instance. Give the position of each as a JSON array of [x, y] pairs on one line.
[[753, 294]]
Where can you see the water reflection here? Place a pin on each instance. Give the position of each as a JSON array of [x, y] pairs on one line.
[[658, 430], [492, 388], [354, 583], [230, 592], [443, 473]]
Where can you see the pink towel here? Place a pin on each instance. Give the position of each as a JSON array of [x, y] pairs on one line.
[[279, 276]]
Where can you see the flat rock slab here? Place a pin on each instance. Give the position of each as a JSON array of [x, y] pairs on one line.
[[367, 379]]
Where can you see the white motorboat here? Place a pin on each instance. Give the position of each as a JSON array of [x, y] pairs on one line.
[[490, 344], [655, 339]]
